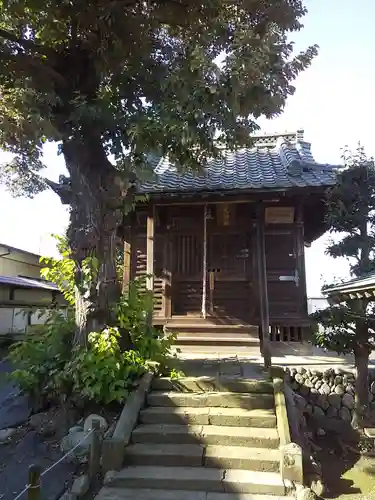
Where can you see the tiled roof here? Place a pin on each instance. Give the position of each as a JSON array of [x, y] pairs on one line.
[[362, 283], [280, 161], [19, 281]]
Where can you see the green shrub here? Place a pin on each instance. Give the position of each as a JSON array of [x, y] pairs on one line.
[[131, 313], [103, 372], [41, 355], [47, 366]]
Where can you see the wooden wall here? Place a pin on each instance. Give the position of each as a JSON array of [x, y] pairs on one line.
[[179, 232]]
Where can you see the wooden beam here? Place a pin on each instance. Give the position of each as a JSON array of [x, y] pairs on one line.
[[126, 275], [262, 286]]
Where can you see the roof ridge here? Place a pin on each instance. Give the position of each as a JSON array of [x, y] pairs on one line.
[[270, 140]]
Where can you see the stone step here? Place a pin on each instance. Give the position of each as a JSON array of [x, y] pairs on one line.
[[211, 399], [197, 479], [242, 457], [164, 454], [209, 384], [206, 434], [108, 493], [218, 457], [234, 417]]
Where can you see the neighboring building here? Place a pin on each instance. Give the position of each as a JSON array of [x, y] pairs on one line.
[[316, 304], [356, 288], [226, 247], [23, 294], [17, 262]]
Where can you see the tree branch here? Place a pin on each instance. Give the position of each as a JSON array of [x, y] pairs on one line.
[[23, 60], [62, 189], [26, 44]]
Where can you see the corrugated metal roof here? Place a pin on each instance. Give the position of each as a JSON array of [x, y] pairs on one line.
[[27, 283], [276, 162]]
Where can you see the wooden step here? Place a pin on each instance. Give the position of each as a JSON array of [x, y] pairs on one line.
[[178, 320], [197, 479], [187, 327], [201, 338]]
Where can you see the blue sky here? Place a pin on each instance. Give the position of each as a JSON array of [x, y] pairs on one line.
[[334, 104]]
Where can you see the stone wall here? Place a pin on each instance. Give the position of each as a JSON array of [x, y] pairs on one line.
[[329, 393]]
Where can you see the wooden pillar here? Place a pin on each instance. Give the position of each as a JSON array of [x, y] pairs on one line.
[[306, 331], [262, 286], [300, 248], [150, 254], [204, 267], [167, 276]]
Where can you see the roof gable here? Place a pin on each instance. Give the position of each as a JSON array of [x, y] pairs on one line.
[[280, 161]]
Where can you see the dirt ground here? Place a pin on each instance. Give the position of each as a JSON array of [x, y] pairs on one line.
[[36, 440], [347, 475]]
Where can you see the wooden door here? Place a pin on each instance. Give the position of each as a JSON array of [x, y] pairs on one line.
[[187, 272], [286, 289], [229, 266]]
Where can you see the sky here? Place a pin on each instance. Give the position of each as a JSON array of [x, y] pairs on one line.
[[334, 103]]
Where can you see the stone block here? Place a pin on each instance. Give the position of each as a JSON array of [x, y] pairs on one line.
[[291, 466], [81, 485], [113, 451]]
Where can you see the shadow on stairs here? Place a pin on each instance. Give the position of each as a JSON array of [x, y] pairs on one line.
[[211, 437]]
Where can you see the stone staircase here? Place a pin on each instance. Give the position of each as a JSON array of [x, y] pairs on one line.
[[203, 438]]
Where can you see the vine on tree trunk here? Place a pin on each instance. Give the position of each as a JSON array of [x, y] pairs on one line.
[[97, 202]]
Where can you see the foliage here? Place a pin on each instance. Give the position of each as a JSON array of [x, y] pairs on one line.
[[132, 316], [103, 372], [132, 81], [351, 212], [73, 70], [338, 328], [41, 355], [62, 271], [349, 326]]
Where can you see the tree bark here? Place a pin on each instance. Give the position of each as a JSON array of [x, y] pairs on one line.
[[361, 355], [96, 214]]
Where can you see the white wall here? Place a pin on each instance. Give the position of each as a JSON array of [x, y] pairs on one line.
[[316, 304], [19, 263], [16, 320]]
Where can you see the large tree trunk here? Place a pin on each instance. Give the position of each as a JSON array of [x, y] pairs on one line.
[[96, 214], [361, 387], [361, 355]]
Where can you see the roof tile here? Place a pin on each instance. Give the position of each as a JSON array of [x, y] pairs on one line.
[[279, 164]]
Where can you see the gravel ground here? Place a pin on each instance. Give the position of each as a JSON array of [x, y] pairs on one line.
[[27, 447]]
